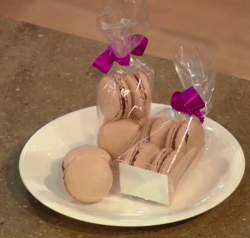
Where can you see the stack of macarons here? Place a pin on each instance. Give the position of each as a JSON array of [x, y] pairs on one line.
[[128, 135], [167, 146], [124, 105], [87, 174], [162, 146], [124, 96]]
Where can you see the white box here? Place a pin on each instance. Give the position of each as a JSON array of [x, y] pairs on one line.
[[144, 184]]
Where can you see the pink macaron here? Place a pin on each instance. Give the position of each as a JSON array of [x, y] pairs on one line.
[[141, 155], [156, 130], [116, 137], [141, 94], [86, 150], [114, 99], [187, 135], [88, 178]]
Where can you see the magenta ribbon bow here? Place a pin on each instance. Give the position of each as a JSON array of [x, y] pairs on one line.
[[189, 102], [105, 61]]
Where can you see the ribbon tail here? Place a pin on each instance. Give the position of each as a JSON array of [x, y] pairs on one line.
[[139, 50], [105, 61], [200, 116]]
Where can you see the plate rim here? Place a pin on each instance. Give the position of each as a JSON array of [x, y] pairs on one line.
[[137, 223]]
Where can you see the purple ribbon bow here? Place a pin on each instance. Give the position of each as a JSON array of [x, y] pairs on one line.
[[189, 102], [105, 61]]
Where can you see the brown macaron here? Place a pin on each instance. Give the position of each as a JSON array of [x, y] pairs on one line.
[[116, 137]]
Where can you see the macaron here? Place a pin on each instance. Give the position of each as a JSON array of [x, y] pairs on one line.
[[160, 159], [87, 150], [145, 132], [116, 137], [141, 155], [171, 163], [185, 135], [141, 94], [168, 159], [114, 98], [171, 136], [159, 130], [88, 178], [156, 130]]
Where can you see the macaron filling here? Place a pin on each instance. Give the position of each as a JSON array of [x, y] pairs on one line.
[[137, 152], [141, 86], [161, 161], [173, 135], [123, 99]]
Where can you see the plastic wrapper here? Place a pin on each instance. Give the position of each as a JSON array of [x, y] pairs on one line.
[[124, 94], [172, 142]]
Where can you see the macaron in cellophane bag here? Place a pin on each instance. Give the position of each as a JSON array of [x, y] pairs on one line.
[[124, 93], [172, 142], [124, 98]]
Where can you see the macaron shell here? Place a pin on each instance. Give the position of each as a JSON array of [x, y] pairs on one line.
[[173, 160], [159, 130], [190, 135], [140, 93], [86, 150], [172, 134], [129, 156], [109, 98], [174, 166], [146, 156], [88, 179], [117, 136], [194, 156], [138, 110], [145, 132], [142, 154], [147, 90], [142, 121], [159, 159], [126, 97]]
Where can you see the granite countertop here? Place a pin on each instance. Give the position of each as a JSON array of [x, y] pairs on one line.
[[45, 74]]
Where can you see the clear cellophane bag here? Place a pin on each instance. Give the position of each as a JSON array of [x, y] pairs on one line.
[[174, 140]]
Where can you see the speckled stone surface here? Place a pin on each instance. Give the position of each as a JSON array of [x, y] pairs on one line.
[[45, 74]]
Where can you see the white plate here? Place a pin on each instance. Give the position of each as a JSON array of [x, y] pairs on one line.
[[213, 180]]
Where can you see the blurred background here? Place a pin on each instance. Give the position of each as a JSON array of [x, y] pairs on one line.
[[222, 25]]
